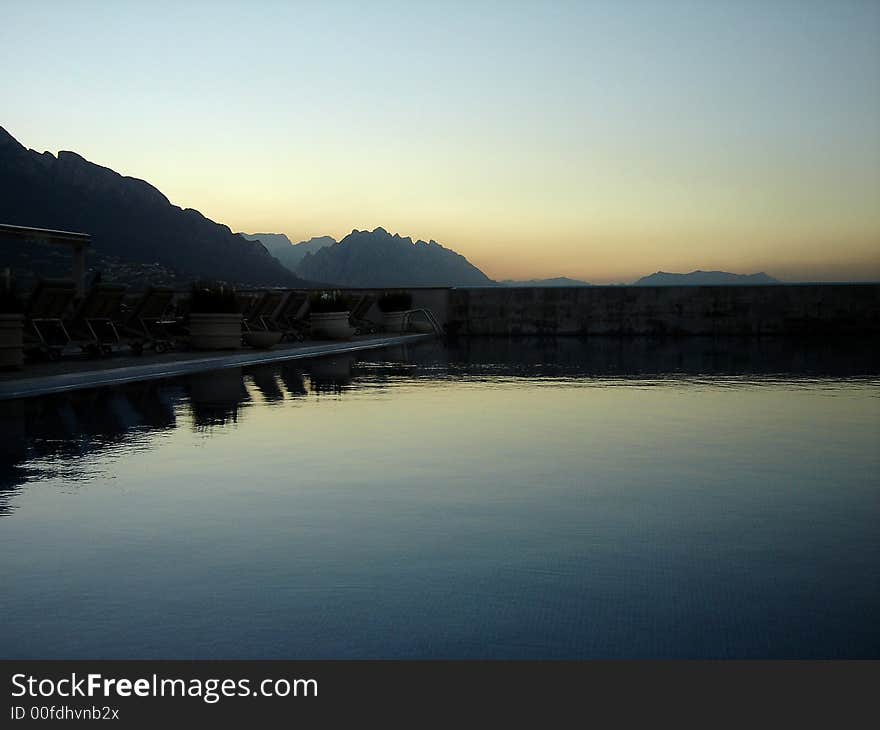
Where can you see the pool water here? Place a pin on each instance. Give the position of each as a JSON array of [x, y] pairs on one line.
[[490, 499]]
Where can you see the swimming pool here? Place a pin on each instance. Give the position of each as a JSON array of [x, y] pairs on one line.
[[492, 499]]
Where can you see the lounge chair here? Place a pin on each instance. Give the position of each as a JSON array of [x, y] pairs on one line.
[[93, 322], [247, 300], [358, 314], [263, 314], [292, 316], [147, 324], [45, 332]]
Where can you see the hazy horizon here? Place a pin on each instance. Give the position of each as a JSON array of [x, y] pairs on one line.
[[597, 141]]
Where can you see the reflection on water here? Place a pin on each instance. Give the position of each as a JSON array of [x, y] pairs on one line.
[[44, 436], [633, 356], [332, 376], [215, 398], [492, 498]]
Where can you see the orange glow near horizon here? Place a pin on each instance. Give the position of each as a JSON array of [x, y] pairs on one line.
[[600, 141]]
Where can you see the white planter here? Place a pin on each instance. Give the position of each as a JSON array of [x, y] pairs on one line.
[[215, 331], [331, 325], [11, 349], [393, 321]]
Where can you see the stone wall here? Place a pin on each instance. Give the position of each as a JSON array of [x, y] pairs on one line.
[[795, 309]]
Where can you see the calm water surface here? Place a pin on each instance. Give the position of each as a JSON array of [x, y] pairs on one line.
[[493, 499]]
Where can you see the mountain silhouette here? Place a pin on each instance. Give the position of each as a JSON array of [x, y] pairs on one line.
[[378, 259], [555, 281], [704, 278], [289, 254], [126, 217]]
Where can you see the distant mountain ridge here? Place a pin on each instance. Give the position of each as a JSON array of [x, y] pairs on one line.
[[289, 254], [704, 278], [555, 281], [131, 220], [379, 259], [126, 217]]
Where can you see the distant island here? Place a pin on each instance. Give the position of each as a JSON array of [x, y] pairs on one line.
[[555, 281], [661, 278], [704, 278]]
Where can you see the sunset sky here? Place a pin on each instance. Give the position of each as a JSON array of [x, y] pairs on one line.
[[598, 140]]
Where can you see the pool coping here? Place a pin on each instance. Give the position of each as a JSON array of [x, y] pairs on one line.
[[63, 382]]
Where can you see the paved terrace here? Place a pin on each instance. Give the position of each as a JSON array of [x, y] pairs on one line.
[[77, 374]]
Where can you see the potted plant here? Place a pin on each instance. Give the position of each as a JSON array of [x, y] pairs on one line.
[[328, 316], [214, 317], [11, 325], [394, 305]]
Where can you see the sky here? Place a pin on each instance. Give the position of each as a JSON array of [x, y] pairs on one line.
[[597, 140]]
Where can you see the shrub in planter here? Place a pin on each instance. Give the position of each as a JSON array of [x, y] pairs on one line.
[[393, 304], [11, 326], [209, 297], [214, 317], [329, 301], [328, 316]]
